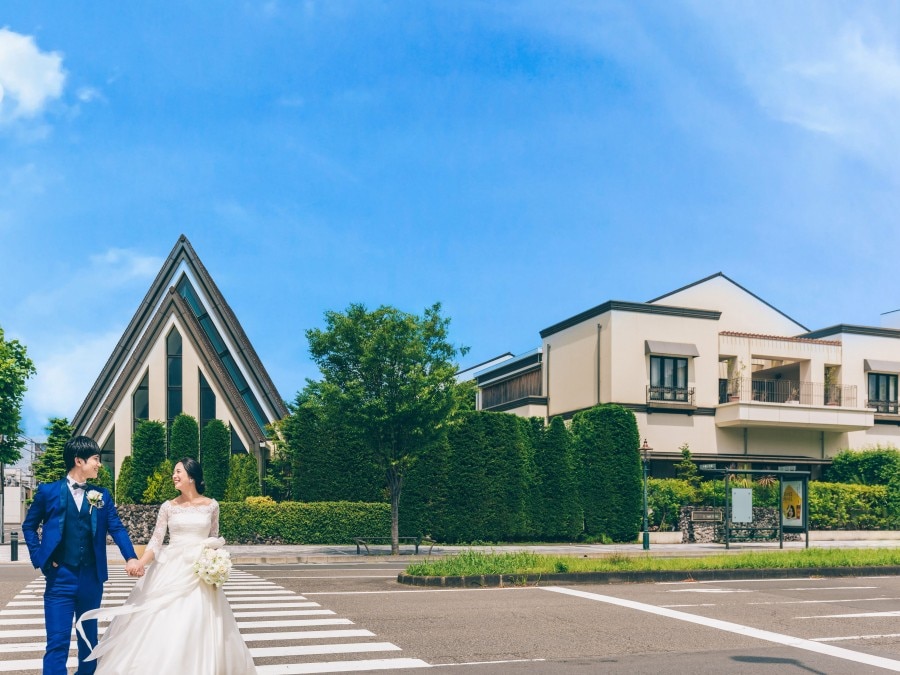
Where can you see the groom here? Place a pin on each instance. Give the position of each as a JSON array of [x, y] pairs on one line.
[[71, 551]]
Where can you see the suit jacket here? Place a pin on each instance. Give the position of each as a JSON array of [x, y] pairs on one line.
[[49, 511]]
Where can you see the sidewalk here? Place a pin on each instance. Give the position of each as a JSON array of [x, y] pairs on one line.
[[293, 554]]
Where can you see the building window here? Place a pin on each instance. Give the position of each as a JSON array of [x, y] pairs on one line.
[[237, 448], [140, 402], [187, 292], [108, 453], [207, 403], [173, 377], [668, 378], [883, 393]]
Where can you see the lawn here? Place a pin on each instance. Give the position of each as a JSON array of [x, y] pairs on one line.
[[472, 563]]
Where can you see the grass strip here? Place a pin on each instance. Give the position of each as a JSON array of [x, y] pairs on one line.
[[472, 563]]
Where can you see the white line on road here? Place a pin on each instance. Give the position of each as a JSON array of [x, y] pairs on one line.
[[485, 663], [830, 588], [818, 602], [862, 615], [856, 637], [314, 650], [709, 590], [769, 636], [304, 635], [340, 666]]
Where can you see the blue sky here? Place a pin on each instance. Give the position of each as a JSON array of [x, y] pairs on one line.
[[519, 162]]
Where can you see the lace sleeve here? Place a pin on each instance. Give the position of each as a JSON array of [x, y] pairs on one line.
[[214, 520], [159, 532]]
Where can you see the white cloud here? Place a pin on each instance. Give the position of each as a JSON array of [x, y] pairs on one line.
[[29, 78], [124, 264], [65, 372], [88, 94], [829, 69]]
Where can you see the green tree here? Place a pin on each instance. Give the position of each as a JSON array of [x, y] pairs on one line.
[[160, 487], [243, 478], [123, 482], [51, 466], [686, 470], [104, 479], [184, 438], [328, 458], [488, 477], [464, 395], [559, 511], [390, 375], [872, 466], [215, 454], [606, 442], [148, 450], [15, 369]]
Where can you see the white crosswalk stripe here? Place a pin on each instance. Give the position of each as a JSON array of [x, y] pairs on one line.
[[266, 614]]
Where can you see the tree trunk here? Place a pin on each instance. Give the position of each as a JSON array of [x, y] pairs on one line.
[[394, 484]]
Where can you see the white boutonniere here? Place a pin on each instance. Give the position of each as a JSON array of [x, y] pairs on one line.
[[95, 499]]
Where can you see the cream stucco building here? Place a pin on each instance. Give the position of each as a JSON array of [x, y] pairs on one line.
[[714, 366]]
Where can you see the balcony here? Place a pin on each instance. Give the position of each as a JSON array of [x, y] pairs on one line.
[[748, 402], [670, 399]]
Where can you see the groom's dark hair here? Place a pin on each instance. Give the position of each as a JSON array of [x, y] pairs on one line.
[[84, 447]]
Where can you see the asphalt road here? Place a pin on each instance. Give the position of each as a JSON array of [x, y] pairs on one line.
[[801, 625]]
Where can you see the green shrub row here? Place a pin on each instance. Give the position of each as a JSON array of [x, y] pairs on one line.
[[262, 521]]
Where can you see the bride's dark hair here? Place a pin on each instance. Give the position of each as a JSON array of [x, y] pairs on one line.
[[193, 469]]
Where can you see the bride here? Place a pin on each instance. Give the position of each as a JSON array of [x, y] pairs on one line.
[[173, 622]]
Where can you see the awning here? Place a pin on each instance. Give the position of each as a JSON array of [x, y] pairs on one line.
[[670, 348], [882, 366]]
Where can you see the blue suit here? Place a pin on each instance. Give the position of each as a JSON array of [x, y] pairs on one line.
[[75, 584]]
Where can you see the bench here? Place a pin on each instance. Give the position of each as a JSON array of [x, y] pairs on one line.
[[752, 532], [414, 541]]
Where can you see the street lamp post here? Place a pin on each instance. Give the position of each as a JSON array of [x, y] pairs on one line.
[[645, 459]]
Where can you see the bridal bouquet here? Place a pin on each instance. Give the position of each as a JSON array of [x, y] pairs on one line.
[[213, 566]]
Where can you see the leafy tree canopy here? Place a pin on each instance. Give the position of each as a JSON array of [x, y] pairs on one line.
[[15, 369], [51, 466], [390, 375]]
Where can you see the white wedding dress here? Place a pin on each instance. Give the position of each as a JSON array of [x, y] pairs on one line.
[[173, 622]]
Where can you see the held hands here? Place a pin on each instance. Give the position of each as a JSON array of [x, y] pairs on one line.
[[134, 568]]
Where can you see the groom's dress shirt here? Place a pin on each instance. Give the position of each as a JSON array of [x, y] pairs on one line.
[[77, 492]]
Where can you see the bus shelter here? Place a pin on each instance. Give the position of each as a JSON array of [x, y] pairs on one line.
[[793, 502]]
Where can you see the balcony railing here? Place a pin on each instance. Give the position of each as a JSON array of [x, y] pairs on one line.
[[883, 407], [788, 391], [670, 395]]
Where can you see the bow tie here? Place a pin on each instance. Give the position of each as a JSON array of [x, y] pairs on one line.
[[79, 486]]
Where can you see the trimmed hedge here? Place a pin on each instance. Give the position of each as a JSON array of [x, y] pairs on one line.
[[257, 522], [606, 442]]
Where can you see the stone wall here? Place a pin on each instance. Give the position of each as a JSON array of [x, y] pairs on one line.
[[139, 519], [705, 532]]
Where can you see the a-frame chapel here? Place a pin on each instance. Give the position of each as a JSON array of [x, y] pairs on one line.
[[183, 351]]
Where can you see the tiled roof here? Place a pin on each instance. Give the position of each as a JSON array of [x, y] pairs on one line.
[[760, 336]]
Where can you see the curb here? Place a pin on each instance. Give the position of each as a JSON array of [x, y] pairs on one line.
[[642, 577]]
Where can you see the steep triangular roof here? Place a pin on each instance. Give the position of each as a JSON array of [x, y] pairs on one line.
[[183, 267], [686, 294]]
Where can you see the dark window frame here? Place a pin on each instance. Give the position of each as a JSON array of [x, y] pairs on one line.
[[665, 388], [882, 392], [144, 389]]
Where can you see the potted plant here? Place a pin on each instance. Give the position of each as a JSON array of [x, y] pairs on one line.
[[737, 375], [832, 388]]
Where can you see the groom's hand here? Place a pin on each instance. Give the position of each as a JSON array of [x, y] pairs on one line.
[[134, 568]]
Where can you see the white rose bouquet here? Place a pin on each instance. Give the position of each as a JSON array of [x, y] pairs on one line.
[[213, 566]]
